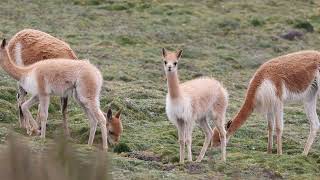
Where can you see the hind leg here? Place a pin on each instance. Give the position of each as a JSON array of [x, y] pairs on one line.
[[219, 122], [310, 109], [93, 127], [98, 116], [43, 113], [28, 116], [92, 121], [270, 119], [279, 126], [204, 125], [21, 94], [64, 104]]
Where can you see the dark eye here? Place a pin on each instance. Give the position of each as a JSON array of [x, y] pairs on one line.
[[110, 132], [165, 62], [175, 63]]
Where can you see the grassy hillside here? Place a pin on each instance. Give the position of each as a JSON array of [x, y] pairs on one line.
[[221, 38]]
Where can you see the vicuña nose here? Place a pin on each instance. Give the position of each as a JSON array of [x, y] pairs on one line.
[[169, 68]]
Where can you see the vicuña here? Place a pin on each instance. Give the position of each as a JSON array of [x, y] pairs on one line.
[[61, 77], [29, 46], [292, 77], [195, 101]]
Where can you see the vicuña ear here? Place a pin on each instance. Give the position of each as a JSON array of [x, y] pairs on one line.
[[179, 54], [164, 52], [118, 114], [109, 115], [3, 44]]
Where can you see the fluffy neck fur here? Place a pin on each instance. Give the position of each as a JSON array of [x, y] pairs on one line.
[[12, 69], [173, 85]]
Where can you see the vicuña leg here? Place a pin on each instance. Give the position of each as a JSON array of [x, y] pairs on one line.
[[93, 127], [27, 115], [219, 122], [43, 113], [279, 126], [181, 133], [95, 111], [92, 121], [204, 125], [270, 119], [20, 100], [64, 104], [188, 139], [310, 109]]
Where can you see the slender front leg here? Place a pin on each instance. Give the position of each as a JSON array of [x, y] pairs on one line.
[[43, 113], [188, 138], [182, 141], [279, 126], [204, 125], [27, 115], [64, 104], [270, 119]]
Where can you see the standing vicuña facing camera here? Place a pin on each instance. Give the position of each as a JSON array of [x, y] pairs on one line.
[[198, 100]]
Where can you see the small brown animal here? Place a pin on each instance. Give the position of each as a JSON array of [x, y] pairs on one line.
[[60, 77], [195, 101], [29, 46], [292, 77]]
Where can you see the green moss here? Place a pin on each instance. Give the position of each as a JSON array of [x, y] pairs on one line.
[[256, 21], [121, 147], [304, 25]]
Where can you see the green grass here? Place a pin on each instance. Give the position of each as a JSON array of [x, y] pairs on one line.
[[224, 39]]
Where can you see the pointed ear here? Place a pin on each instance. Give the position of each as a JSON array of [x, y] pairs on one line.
[[109, 114], [164, 52], [118, 114], [3, 44], [179, 54]]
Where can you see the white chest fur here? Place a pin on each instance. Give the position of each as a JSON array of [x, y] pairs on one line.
[[179, 108]]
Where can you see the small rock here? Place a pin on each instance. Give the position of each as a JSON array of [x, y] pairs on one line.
[[292, 35]]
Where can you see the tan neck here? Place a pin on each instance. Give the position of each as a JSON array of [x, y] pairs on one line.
[[173, 85], [12, 69]]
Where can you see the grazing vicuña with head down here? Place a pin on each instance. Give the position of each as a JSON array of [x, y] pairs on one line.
[[195, 101], [29, 46], [292, 77], [60, 77]]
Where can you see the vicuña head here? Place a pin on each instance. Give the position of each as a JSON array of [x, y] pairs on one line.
[[114, 126], [170, 60], [292, 77]]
